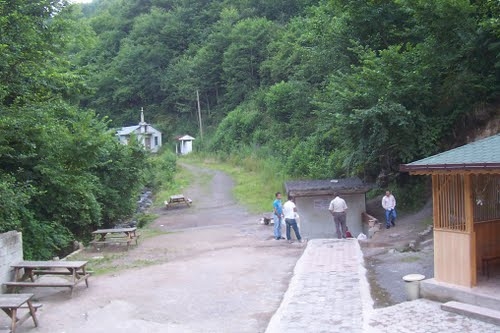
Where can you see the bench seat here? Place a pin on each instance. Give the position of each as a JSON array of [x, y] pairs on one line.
[[115, 240], [485, 261], [44, 272], [38, 284], [34, 305]]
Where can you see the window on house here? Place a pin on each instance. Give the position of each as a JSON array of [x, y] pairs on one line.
[[156, 141]]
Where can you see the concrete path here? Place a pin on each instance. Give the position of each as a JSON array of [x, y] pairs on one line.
[[329, 293]]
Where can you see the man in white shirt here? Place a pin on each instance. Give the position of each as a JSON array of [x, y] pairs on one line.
[[389, 204], [338, 208], [289, 212]]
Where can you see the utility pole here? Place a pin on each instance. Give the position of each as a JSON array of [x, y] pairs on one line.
[[199, 113]]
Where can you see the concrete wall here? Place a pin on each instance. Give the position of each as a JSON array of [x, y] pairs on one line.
[[186, 147], [317, 222], [11, 251]]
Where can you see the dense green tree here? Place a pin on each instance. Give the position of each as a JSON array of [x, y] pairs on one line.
[[59, 165], [357, 86], [243, 57]]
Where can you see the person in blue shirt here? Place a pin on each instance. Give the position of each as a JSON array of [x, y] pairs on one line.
[[277, 216]]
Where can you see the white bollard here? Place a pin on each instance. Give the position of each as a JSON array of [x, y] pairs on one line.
[[412, 284]]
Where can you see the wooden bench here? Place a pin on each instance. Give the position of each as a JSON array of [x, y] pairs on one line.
[[115, 236], [51, 272], [115, 240], [11, 303], [178, 199], [26, 272], [485, 263], [13, 284]]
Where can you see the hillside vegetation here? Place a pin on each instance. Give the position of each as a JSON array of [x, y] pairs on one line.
[[329, 87], [312, 88]]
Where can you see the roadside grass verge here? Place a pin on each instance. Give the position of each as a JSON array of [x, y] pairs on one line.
[[111, 258], [110, 261], [181, 180], [428, 221], [256, 180], [410, 259]]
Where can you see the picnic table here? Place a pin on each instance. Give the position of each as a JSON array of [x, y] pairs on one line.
[[26, 273], [177, 199], [11, 303], [115, 236]]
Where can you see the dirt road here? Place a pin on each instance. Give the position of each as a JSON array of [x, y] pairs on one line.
[[389, 256], [211, 268], [217, 270]]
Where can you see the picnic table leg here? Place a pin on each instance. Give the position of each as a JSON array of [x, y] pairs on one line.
[[85, 276], [32, 311], [29, 272], [13, 314], [17, 277], [17, 274]]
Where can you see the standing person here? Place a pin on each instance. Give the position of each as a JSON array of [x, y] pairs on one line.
[[338, 209], [277, 216], [289, 211], [389, 204]]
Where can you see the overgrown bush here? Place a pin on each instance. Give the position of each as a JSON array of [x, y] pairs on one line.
[[160, 171]]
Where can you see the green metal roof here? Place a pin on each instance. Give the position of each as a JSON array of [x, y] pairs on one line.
[[483, 154]]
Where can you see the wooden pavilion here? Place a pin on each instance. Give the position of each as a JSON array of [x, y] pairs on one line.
[[466, 201]]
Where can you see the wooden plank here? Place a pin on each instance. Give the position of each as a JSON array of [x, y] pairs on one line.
[[452, 262], [38, 284], [13, 300], [115, 230], [436, 201], [49, 264], [45, 272], [34, 305], [111, 241]]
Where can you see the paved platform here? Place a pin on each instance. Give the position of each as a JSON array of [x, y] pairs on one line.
[[329, 293]]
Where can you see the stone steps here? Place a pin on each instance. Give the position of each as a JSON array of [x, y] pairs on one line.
[[473, 311]]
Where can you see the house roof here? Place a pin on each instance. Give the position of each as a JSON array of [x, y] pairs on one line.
[[127, 130], [326, 187], [479, 156], [185, 138], [136, 128]]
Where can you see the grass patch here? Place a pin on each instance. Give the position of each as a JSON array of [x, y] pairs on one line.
[[182, 179], [410, 259], [144, 219], [428, 221], [100, 262], [111, 258], [142, 263], [150, 233], [256, 181]]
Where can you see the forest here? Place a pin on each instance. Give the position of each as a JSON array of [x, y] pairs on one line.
[[326, 88]]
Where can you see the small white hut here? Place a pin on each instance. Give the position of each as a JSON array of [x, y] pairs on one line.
[[184, 145], [146, 134]]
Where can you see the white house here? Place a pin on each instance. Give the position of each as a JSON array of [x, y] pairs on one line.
[[146, 134], [184, 145]]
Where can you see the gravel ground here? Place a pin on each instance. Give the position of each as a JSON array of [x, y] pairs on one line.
[[209, 268], [388, 256]]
